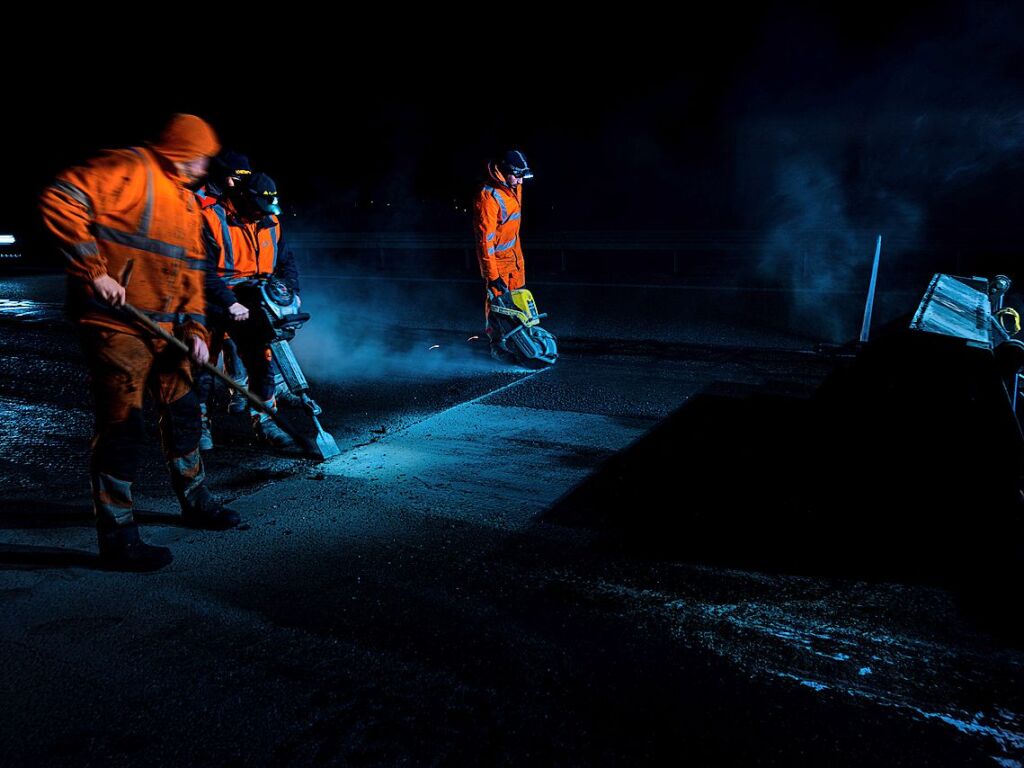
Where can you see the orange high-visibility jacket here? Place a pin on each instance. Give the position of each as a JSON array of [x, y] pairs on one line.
[[246, 248], [125, 205], [496, 217]]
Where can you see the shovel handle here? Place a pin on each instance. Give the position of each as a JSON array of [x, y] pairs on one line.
[[256, 402]]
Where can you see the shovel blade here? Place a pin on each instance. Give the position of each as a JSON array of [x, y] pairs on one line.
[[326, 447]]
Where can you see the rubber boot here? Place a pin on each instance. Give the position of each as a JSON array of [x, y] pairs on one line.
[[267, 431], [198, 507], [122, 549]]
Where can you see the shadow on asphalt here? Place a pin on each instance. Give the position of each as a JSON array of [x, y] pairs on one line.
[[31, 558], [906, 465], [42, 515], [61, 516]]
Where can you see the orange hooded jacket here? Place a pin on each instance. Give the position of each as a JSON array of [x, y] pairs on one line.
[[246, 248], [496, 216], [129, 206]]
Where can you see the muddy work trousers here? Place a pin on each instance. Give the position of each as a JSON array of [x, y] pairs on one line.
[[255, 359], [122, 367]]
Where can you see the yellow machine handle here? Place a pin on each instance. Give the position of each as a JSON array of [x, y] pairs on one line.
[[1009, 318]]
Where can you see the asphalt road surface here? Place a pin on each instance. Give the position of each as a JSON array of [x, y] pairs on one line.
[[413, 602]]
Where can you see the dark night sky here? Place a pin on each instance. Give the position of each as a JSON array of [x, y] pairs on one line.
[[907, 119]]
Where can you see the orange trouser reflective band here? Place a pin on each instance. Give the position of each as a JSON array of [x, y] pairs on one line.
[[123, 366]]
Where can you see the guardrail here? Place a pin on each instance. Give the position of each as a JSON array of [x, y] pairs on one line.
[[672, 252]]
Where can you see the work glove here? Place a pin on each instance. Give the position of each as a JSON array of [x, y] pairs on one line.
[[238, 312]]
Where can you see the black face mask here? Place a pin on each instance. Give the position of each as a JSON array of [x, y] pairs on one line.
[[215, 187], [242, 203]]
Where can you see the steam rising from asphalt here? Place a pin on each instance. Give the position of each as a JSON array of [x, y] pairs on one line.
[[873, 156], [377, 329]]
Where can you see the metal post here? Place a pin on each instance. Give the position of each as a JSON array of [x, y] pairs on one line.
[[870, 303]]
